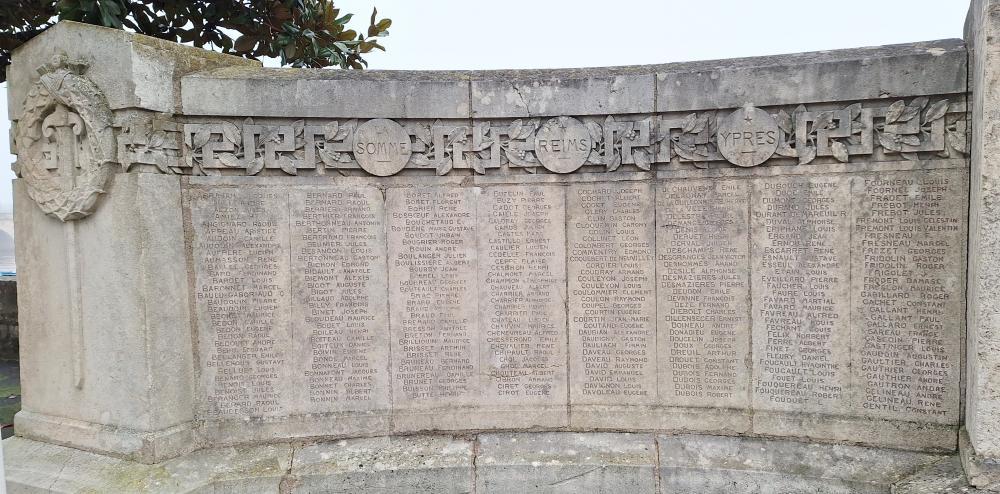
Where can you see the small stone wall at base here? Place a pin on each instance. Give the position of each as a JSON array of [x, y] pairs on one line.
[[494, 463]]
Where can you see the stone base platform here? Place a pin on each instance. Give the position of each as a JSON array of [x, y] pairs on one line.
[[551, 462]]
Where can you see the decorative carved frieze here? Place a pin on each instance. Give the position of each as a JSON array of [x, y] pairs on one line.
[[745, 137]]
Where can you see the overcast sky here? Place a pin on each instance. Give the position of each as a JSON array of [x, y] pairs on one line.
[[464, 34]]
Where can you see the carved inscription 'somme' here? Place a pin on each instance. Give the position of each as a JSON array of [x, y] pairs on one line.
[[382, 147]]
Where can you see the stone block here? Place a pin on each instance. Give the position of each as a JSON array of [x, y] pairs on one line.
[[107, 365], [713, 464], [982, 393], [417, 464], [133, 71], [565, 463], [327, 93], [522, 94], [815, 77]]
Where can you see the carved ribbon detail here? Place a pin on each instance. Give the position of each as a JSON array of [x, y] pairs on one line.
[[910, 130]]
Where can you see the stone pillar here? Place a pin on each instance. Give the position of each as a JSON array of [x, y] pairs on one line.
[[980, 441], [106, 356]]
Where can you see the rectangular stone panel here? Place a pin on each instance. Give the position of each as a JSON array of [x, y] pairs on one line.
[[241, 265], [908, 247], [339, 310], [522, 292], [801, 269], [703, 291], [612, 293], [433, 298]]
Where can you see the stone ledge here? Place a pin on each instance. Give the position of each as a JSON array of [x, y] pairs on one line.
[[145, 447], [553, 462]]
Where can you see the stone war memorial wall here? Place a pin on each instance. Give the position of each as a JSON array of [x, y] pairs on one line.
[[231, 254]]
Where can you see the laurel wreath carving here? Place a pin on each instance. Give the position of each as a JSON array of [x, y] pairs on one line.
[[61, 83]]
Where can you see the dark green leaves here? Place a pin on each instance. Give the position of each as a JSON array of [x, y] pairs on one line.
[[302, 33]]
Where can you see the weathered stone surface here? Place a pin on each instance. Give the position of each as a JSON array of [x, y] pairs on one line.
[[801, 294], [612, 306], [344, 94], [433, 306], [132, 70], [417, 464], [530, 93], [522, 316], [337, 261], [710, 465], [703, 312], [41, 467], [558, 463], [982, 394], [861, 73], [508, 462], [95, 378], [908, 271], [769, 247], [944, 475], [241, 274]]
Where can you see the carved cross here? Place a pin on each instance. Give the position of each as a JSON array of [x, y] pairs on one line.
[[65, 128]]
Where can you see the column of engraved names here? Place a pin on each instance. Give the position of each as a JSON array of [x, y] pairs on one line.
[[240, 262], [703, 324], [909, 240], [522, 284], [612, 298], [433, 295], [339, 308], [801, 270]]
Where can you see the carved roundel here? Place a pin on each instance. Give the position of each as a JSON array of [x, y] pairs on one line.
[[64, 141], [562, 144], [748, 136], [382, 147]]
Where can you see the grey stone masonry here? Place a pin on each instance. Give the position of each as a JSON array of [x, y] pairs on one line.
[[775, 270]]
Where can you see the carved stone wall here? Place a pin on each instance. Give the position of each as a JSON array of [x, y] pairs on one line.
[[769, 247]]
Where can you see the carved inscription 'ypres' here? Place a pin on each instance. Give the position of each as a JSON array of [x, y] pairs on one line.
[[801, 281], [241, 276], [339, 308], [702, 248], [433, 296], [612, 294], [908, 247], [522, 273]]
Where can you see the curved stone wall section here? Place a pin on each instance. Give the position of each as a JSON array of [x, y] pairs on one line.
[[770, 246], [824, 305]]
